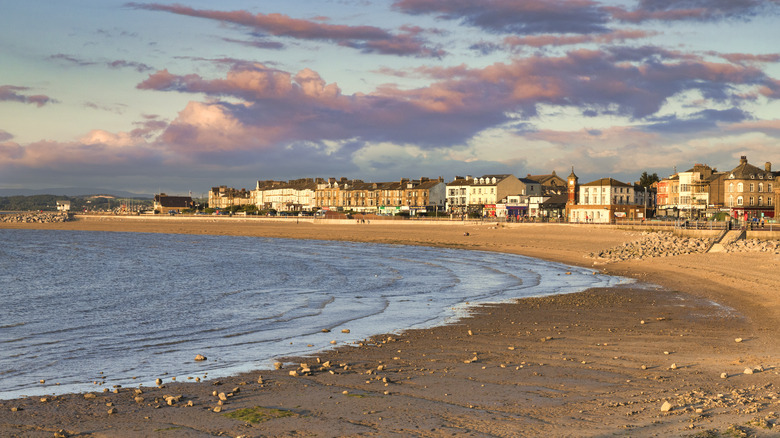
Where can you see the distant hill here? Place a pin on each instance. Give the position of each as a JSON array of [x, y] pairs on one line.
[[73, 191]]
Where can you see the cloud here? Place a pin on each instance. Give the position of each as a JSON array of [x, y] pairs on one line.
[[11, 93], [5, 136], [695, 10], [524, 17], [748, 58], [116, 64], [258, 44], [697, 123], [277, 108], [565, 40], [368, 39], [137, 66]]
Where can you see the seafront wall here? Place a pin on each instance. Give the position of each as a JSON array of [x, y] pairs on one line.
[[35, 218]]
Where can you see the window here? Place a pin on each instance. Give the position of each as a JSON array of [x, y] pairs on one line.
[[760, 187], [739, 200], [740, 188], [731, 187], [769, 201], [731, 201], [752, 187], [760, 201], [751, 201]]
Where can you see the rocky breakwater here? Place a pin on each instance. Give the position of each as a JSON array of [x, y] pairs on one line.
[[653, 245], [35, 218], [753, 245]]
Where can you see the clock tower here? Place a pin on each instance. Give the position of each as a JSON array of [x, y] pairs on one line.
[[574, 186]]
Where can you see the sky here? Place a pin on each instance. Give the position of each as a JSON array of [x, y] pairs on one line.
[[153, 97]]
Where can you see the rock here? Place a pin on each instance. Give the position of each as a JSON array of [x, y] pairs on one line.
[[666, 407], [748, 371], [89, 395], [222, 396], [112, 411], [278, 365], [218, 409], [724, 375], [325, 331], [260, 379], [158, 382], [738, 340], [673, 366], [139, 399], [200, 357], [345, 331]]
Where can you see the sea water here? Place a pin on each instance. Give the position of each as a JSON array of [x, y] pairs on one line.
[[79, 307]]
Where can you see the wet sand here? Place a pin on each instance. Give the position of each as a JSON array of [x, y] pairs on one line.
[[598, 363]]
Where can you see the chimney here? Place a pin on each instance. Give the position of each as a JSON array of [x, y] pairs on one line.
[[743, 159], [768, 166]]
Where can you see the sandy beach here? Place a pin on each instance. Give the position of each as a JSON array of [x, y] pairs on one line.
[[697, 335]]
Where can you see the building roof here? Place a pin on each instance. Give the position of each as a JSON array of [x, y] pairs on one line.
[[173, 201], [607, 182], [548, 179], [556, 200], [749, 171]]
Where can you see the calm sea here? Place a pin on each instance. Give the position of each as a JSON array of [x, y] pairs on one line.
[[124, 308]]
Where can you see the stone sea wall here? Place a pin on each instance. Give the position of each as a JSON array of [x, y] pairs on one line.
[[753, 245], [654, 245], [666, 244], [39, 218]]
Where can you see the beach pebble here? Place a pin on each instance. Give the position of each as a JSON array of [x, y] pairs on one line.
[[666, 407], [325, 331], [90, 395], [222, 396], [724, 375], [260, 379], [673, 366], [748, 371], [112, 411], [42, 381], [218, 409], [278, 365], [345, 331], [738, 340], [200, 357], [158, 382], [139, 399], [15, 409]]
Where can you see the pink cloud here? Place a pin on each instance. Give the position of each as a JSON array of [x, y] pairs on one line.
[[279, 107], [770, 127], [366, 38], [564, 40], [11, 93], [749, 58]]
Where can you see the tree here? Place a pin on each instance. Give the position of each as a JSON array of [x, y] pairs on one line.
[[647, 180]]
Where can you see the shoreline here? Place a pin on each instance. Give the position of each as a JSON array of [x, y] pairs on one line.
[[569, 382]]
